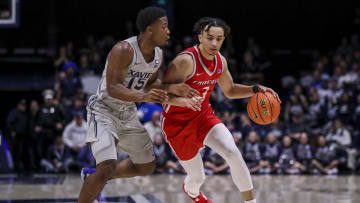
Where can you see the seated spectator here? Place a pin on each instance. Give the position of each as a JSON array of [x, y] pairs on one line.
[[75, 133], [345, 109], [172, 164], [270, 154], [58, 158], [325, 159], [214, 163], [153, 126], [252, 154], [287, 160], [245, 125], [296, 126], [277, 129], [316, 110], [339, 135], [161, 154], [304, 153]]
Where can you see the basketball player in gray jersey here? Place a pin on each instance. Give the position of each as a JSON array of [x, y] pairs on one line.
[[130, 76]]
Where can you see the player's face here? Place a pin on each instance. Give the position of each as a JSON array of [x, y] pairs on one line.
[[212, 40], [160, 31]]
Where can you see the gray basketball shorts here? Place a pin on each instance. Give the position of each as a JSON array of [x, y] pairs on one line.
[[110, 132]]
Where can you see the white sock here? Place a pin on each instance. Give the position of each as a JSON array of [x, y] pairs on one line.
[[251, 201]]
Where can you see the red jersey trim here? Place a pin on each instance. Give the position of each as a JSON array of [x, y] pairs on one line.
[[203, 64]]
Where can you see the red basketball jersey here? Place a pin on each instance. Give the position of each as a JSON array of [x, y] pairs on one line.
[[203, 79]]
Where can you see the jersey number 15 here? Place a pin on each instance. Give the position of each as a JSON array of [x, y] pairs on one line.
[[138, 85]]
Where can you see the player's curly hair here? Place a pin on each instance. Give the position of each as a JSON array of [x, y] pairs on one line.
[[205, 23], [147, 16]]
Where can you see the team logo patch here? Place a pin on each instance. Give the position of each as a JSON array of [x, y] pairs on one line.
[[219, 71]]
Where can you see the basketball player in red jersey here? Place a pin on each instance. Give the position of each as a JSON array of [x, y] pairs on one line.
[[186, 130]]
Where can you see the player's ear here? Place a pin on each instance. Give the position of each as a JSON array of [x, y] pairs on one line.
[[200, 37], [149, 29]]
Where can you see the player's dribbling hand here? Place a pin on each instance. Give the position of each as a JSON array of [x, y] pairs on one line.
[[156, 95], [194, 103], [266, 89], [183, 90]]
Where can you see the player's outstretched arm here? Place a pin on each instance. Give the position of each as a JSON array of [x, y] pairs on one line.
[[119, 59], [238, 91]]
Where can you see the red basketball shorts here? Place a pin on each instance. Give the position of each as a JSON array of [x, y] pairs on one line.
[[186, 137]]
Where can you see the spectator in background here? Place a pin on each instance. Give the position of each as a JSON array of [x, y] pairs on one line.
[[316, 113], [345, 108], [325, 158], [35, 133], [84, 66], [17, 136], [173, 165], [251, 72], [252, 153], [161, 154], [51, 120], [77, 107], [87, 75], [297, 103], [153, 126], [276, 129], [270, 154], [146, 110], [304, 153], [214, 163], [62, 58], [75, 133], [58, 158], [338, 135], [69, 84], [287, 161], [96, 63], [85, 158], [245, 125], [297, 126]]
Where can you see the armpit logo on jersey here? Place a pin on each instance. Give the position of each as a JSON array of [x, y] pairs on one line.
[[137, 74], [204, 82], [157, 63]]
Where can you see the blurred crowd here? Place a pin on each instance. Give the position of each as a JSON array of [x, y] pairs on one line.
[[316, 132]]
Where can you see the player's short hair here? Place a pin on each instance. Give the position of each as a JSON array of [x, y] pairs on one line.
[[205, 23], [147, 16]]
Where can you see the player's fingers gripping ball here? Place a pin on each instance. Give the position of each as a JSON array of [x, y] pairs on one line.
[[263, 108]]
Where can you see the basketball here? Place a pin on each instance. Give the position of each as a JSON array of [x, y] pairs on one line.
[[263, 108]]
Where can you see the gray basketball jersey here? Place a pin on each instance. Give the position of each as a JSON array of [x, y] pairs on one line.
[[138, 74]]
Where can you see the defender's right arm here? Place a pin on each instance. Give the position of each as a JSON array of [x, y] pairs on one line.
[[120, 57]]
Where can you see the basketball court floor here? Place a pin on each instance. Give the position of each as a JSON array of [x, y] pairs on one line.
[[167, 189]]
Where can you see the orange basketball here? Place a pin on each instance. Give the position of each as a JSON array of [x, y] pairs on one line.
[[263, 108]]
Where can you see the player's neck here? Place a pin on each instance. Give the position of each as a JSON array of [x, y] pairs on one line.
[[145, 45], [205, 54]]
